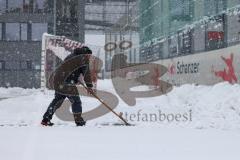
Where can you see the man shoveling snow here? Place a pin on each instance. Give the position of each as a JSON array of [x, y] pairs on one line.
[[72, 79]]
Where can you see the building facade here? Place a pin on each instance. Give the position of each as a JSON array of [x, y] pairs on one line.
[[170, 28], [22, 23], [123, 37]]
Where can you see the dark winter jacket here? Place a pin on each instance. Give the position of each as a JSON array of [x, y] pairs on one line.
[[73, 78]]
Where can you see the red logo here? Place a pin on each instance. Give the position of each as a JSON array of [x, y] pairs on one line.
[[214, 35], [228, 74], [171, 69]]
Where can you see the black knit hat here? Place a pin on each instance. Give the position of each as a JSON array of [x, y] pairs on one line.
[[83, 50]]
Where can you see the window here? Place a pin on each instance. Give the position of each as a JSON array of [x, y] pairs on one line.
[[15, 6], [37, 31], [135, 53], [0, 31], [130, 56], [26, 65], [36, 66], [199, 37], [185, 41], [16, 31], [23, 65], [157, 50], [181, 9], [27, 6], [209, 7], [23, 29], [12, 32], [221, 5], [2, 6], [233, 23], [213, 7], [215, 33], [12, 65], [173, 46], [2, 65], [39, 6], [148, 54], [142, 54], [29, 64]]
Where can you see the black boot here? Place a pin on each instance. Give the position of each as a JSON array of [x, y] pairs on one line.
[[79, 120], [46, 122]]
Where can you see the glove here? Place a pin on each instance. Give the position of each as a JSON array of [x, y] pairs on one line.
[[91, 91]]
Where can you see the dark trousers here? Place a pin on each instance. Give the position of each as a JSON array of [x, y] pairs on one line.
[[57, 102]]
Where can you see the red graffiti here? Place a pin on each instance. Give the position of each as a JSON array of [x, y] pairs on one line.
[[228, 74], [171, 69]]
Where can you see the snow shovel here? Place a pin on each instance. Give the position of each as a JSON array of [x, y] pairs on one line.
[[107, 106]]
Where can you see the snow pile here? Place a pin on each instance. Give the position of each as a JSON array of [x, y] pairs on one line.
[[158, 132], [188, 106], [212, 106]]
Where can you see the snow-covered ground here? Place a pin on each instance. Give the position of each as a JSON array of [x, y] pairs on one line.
[[208, 127], [117, 143]]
